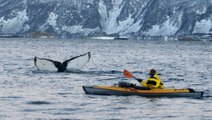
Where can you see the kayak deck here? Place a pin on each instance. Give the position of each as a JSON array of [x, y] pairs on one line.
[[125, 91]]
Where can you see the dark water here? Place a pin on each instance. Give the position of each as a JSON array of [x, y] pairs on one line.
[[26, 93]]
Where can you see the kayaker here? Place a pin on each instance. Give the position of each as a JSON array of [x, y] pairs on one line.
[[153, 81]]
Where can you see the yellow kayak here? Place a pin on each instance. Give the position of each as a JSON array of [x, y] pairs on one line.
[[141, 91]]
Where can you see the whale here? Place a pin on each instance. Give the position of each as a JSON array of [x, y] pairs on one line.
[[72, 64]]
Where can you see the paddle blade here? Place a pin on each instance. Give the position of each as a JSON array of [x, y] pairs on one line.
[[127, 74]]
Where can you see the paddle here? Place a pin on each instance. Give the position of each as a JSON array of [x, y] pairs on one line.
[[128, 74]]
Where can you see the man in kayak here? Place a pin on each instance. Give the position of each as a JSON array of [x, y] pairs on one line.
[[153, 81]]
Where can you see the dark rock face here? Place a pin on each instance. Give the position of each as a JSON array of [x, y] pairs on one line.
[[74, 18]]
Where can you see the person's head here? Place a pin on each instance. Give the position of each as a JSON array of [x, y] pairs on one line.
[[152, 72]]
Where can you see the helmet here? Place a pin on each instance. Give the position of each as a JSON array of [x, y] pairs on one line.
[[152, 72]]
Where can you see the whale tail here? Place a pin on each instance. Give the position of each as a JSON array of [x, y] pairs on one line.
[[74, 63], [77, 62]]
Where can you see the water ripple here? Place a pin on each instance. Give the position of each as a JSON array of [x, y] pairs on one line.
[[27, 93], [38, 102]]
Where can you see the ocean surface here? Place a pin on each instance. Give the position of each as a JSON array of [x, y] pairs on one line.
[[29, 94]]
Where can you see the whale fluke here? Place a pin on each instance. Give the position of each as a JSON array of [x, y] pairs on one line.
[[74, 63]]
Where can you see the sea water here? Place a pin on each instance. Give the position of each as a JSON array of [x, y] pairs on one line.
[[27, 93]]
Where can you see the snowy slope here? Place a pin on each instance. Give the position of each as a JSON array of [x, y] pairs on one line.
[[67, 18]]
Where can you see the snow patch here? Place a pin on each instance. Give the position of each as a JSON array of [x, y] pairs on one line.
[[108, 19], [15, 24], [52, 19], [167, 28], [103, 12], [201, 10], [203, 26], [78, 29], [128, 26], [26, 28], [109, 22]]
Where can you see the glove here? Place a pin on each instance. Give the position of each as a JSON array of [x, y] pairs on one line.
[[139, 80]]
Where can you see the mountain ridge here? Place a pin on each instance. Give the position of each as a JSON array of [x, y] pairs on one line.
[[75, 18]]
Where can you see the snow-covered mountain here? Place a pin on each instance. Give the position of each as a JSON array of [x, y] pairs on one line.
[[68, 18]]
